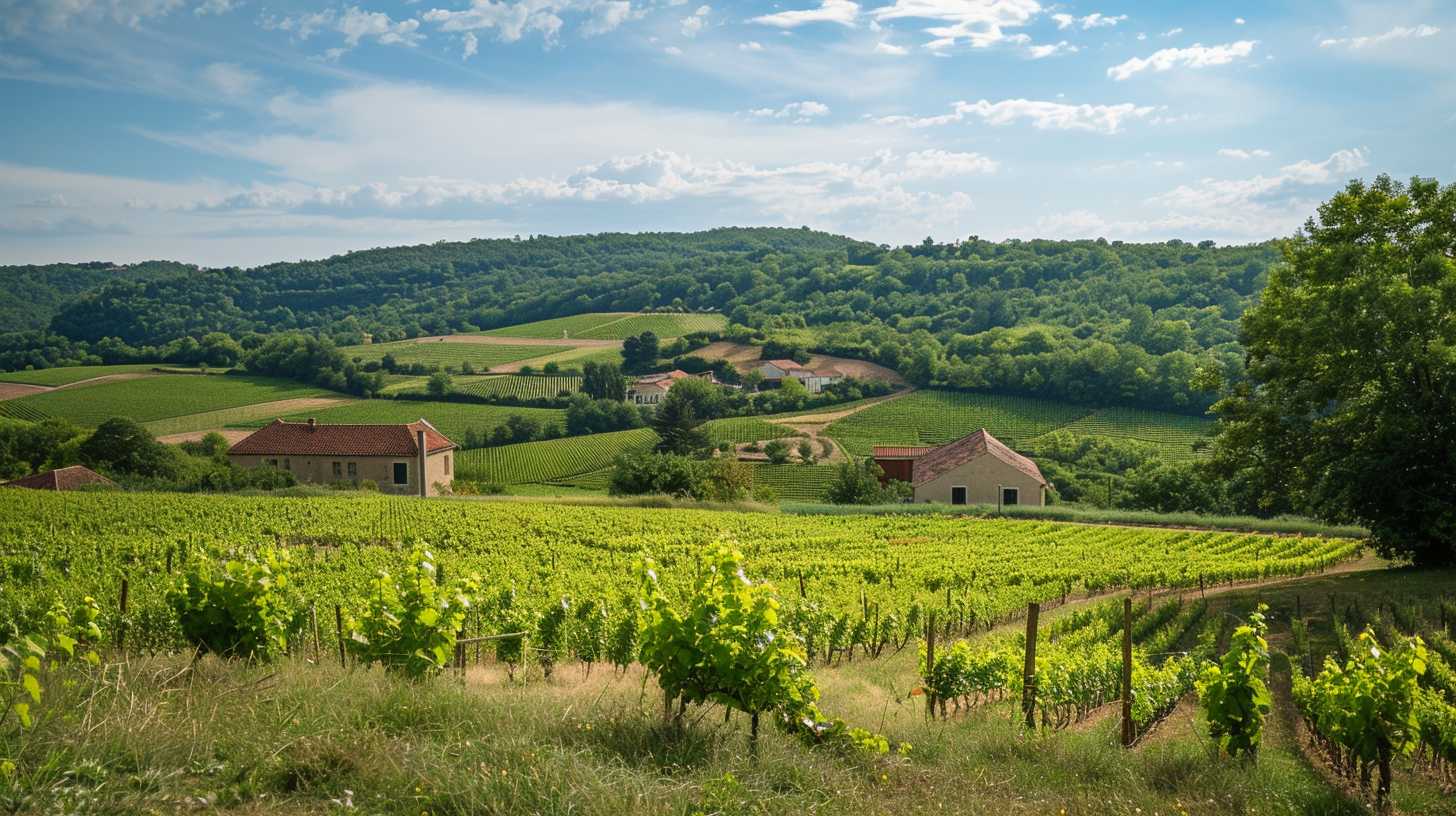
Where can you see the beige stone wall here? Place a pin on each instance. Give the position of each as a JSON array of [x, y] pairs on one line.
[[980, 476], [378, 469]]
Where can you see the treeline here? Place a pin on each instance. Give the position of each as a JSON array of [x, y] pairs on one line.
[[1089, 321]]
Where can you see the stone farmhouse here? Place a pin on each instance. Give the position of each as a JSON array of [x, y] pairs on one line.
[[976, 469], [412, 459], [649, 389], [774, 372]]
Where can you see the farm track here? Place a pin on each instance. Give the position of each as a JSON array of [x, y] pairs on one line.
[[815, 424], [17, 390], [106, 378]]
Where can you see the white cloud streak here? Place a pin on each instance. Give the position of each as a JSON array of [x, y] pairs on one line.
[[979, 23], [843, 12], [1094, 20], [1194, 56], [1043, 115], [1242, 154], [1397, 33]]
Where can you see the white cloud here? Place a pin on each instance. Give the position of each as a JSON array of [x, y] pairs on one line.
[[1242, 154], [981, 23], [797, 111], [19, 16], [1195, 56], [1172, 32], [470, 45], [230, 79], [1397, 33], [513, 20], [1043, 51], [1239, 21], [673, 51], [890, 49], [354, 23], [1043, 115], [843, 12], [207, 7], [607, 16], [751, 45], [1262, 192], [694, 22], [1094, 20]]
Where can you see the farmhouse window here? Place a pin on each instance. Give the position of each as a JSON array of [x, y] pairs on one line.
[[958, 494], [447, 464], [1010, 495], [401, 473], [338, 470], [353, 470], [272, 463]]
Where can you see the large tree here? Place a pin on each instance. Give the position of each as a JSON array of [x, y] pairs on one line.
[[603, 381], [1350, 402]]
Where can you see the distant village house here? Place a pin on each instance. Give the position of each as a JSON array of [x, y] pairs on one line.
[[977, 469], [774, 372], [649, 389], [66, 478], [411, 459]]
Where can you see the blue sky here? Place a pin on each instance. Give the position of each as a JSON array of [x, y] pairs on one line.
[[247, 131]]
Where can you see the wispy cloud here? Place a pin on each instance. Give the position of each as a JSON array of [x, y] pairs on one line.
[[1242, 154], [979, 23], [843, 12], [1370, 41], [795, 111], [1044, 115], [1194, 56], [1094, 20]]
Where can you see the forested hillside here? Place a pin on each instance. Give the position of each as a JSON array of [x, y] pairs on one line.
[[30, 295], [1086, 321]]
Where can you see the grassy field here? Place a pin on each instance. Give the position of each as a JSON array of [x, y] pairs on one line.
[[555, 460], [613, 326], [931, 417], [160, 397], [445, 353], [70, 374], [452, 418]]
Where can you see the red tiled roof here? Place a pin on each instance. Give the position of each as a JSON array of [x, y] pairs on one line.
[[785, 365], [66, 478], [675, 374], [937, 461], [308, 439], [900, 451]]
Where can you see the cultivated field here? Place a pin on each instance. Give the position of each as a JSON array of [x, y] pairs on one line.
[[451, 418], [613, 326], [443, 352], [554, 460], [72, 374], [931, 417], [155, 397], [519, 386]]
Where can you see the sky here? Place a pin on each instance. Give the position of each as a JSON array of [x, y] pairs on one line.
[[240, 132]]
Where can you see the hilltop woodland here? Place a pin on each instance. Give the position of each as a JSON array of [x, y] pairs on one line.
[[1089, 322]]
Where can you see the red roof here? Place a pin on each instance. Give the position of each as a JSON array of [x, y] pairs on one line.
[[66, 478], [311, 439], [899, 451], [785, 365], [673, 375], [935, 462]]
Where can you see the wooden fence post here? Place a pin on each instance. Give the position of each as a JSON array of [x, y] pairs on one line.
[[313, 624], [1128, 732], [801, 583], [339, 628], [121, 623], [1028, 689], [930, 664]]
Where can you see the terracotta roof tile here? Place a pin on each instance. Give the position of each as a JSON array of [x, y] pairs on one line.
[[66, 478], [306, 439], [937, 461], [900, 451]]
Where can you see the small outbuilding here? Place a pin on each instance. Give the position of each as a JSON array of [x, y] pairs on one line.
[[976, 469], [66, 478], [411, 459]]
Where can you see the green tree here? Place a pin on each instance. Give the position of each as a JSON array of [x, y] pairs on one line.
[[641, 351], [603, 381], [860, 483], [1352, 370], [777, 452], [687, 405], [122, 446], [439, 384]]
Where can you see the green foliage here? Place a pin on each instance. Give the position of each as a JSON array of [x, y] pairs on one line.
[[238, 606], [410, 623], [440, 384], [777, 452], [640, 352], [25, 658], [589, 633], [603, 381], [120, 445], [314, 360], [553, 461], [623, 650], [860, 483], [720, 479], [552, 633], [1235, 693], [1349, 357]]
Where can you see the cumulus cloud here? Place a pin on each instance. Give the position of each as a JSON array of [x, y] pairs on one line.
[[607, 17], [207, 7], [510, 21], [796, 111], [1263, 191], [356, 24], [1397, 33], [694, 22], [1195, 56], [1094, 20], [843, 12], [1242, 154], [1044, 51], [1043, 115], [890, 49], [980, 23]]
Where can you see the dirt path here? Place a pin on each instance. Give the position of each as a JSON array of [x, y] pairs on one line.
[[232, 435], [18, 390], [104, 378], [832, 416]]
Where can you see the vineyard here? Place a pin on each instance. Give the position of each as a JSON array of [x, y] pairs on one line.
[[444, 353], [520, 387], [153, 398], [738, 430], [554, 460], [795, 482], [930, 417], [452, 418], [72, 374], [559, 327], [60, 545]]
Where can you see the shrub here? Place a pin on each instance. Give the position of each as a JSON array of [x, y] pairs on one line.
[[777, 451], [238, 606], [410, 623]]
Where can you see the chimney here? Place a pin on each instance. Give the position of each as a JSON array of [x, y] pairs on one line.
[[424, 451], [312, 424]]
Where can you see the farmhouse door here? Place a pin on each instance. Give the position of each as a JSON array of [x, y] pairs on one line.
[[958, 495]]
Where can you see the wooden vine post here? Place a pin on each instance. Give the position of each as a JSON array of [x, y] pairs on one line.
[[1129, 733], [1028, 689], [929, 664], [339, 628], [121, 622]]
